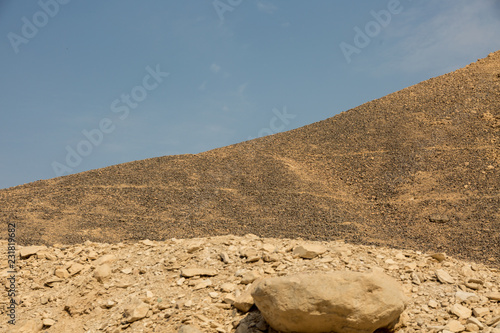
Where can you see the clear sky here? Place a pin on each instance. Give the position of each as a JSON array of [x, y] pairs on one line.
[[88, 84]]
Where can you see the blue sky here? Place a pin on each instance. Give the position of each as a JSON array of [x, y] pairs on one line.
[[151, 78]]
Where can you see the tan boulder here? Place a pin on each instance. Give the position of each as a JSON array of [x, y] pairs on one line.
[[324, 302]]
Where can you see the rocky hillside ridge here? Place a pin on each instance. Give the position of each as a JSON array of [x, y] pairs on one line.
[[202, 284], [416, 169]]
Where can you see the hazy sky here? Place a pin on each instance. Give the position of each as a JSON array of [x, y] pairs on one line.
[[88, 84]]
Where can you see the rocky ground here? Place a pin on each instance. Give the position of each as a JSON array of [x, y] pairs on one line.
[[200, 285]]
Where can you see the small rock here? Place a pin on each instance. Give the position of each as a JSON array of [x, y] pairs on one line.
[[250, 277], [136, 311], [270, 257], [109, 304], [455, 326], [61, 273], [410, 266], [473, 286], [438, 256], [92, 255], [47, 322], [415, 278], [102, 272], [437, 218], [28, 326], [74, 305], [195, 246], [189, 329], [127, 270], [480, 312], [308, 250], [124, 283], [463, 296], [476, 322], [28, 251], [203, 284], [52, 281], [202, 318], [494, 296], [230, 299], [228, 287], [269, 248], [400, 256], [433, 304], [245, 301], [461, 311], [224, 257], [390, 262], [75, 268], [107, 258], [147, 242], [493, 321], [253, 259], [470, 327], [190, 272], [249, 252], [444, 277]]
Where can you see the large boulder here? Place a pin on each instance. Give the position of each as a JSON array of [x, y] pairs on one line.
[[347, 302]]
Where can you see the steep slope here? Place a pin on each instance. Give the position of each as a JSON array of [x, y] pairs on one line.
[[418, 169]]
